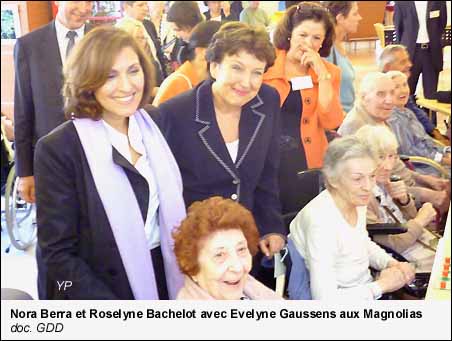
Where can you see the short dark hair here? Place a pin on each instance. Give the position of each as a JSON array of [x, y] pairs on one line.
[[89, 65], [184, 14], [338, 7], [200, 37], [295, 15], [237, 36]]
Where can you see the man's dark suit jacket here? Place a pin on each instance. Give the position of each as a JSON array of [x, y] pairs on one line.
[[407, 27], [190, 127], [151, 30], [75, 239], [38, 103]]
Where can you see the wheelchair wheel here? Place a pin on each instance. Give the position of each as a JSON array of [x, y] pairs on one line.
[[20, 215]]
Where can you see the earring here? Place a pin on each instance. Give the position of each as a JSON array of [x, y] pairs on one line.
[[288, 39]]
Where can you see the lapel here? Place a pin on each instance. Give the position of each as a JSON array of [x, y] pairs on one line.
[[139, 187], [251, 120], [51, 52], [51, 56], [430, 5], [122, 161], [412, 9]]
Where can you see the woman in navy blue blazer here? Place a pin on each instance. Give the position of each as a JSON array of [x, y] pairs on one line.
[[224, 133]]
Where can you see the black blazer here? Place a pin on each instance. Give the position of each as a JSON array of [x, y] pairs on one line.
[[407, 27], [75, 240], [38, 103], [151, 30], [190, 127]]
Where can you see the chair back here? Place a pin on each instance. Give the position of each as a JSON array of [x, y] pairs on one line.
[[308, 185]]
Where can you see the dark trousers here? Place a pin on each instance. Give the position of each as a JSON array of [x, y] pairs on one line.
[[422, 63]]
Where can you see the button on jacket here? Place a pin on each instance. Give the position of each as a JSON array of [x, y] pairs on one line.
[[315, 118]]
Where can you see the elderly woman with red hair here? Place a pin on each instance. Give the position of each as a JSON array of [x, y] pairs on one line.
[[214, 246]]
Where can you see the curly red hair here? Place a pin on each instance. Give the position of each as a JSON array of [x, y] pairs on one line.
[[205, 218]]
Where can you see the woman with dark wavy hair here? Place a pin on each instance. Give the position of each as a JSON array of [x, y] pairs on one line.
[[224, 132], [309, 90], [108, 190]]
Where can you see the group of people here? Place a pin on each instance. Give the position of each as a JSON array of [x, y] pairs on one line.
[[184, 198]]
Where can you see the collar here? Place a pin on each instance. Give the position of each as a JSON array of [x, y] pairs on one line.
[[397, 113], [381, 195], [360, 111], [121, 142], [278, 68], [62, 30], [205, 110]]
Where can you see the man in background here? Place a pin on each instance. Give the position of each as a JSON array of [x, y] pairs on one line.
[[139, 10], [39, 57], [419, 26]]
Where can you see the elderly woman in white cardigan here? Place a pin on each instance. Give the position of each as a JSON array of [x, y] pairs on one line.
[[330, 232], [374, 106]]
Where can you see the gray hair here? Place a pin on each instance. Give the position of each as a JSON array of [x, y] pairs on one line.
[[341, 150], [379, 138], [394, 74], [387, 56], [370, 80]]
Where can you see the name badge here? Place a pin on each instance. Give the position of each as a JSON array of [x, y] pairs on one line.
[[434, 14], [303, 82]]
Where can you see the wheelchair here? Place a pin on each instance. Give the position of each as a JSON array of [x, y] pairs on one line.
[[20, 216], [416, 289]]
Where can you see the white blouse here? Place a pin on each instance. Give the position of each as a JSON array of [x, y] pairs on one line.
[[233, 149], [121, 144], [337, 255]]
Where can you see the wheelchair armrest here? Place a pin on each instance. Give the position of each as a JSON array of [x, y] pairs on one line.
[[423, 276], [390, 228], [428, 162]]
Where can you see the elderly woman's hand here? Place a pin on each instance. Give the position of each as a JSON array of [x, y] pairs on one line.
[[398, 191], [426, 214], [391, 279], [438, 184], [271, 244], [408, 271]]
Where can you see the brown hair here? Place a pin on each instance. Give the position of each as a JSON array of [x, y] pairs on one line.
[[237, 36], [205, 218], [338, 7], [295, 15], [89, 65], [185, 14]]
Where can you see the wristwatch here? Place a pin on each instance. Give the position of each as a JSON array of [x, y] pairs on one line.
[[325, 76]]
